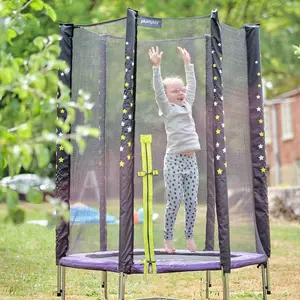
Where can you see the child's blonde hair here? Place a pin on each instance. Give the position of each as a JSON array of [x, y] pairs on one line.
[[171, 80]]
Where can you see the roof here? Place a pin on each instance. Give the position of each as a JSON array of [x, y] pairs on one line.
[[283, 97]]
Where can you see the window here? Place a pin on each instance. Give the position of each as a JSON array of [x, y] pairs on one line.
[[286, 121], [267, 124]]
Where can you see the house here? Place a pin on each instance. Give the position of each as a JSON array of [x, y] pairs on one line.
[[282, 136]]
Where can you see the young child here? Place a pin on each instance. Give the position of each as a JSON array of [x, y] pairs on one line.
[[180, 165]]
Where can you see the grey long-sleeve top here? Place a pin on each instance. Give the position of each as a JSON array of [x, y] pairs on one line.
[[179, 123]]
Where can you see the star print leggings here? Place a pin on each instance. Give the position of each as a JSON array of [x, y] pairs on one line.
[[181, 183]]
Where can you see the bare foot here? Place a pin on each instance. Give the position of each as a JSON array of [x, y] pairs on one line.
[[191, 245], [169, 246]]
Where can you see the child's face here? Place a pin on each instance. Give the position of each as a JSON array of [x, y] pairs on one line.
[[175, 92]]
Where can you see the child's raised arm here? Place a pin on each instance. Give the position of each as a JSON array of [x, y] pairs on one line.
[[190, 75], [160, 96]]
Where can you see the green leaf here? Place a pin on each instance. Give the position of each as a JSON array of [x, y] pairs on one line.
[[43, 155], [11, 33], [2, 164], [6, 75], [12, 199], [37, 4], [50, 11], [39, 42], [34, 196], [67, 146], [26, 157]]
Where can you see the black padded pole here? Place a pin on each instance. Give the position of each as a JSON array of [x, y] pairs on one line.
[[62, 158], [126, 237]]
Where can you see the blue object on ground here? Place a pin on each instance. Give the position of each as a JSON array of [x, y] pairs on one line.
[[86, 214]]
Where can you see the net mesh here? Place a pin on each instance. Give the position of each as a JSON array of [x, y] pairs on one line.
[[98, 60]]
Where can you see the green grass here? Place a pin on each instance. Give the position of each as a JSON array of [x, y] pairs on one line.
[[28, 271]]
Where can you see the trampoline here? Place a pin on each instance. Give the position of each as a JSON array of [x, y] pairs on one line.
[[122, 170], [181, 261]]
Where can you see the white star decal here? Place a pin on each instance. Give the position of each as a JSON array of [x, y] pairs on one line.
[[121, 148], [219, 44], [125, 97], [223, 125], [222, 98], [218, 157], [126, 70], [213, 51], [215, 103], [131, 76], [220, 71], [260, 146], [261, 158], [258, 108], [224, 150], [60, 134], [127, 43], [217, 145], [62, 74], [122, 124], [258, 97], [129, 129], [256, 62], [129, 117], [215, 90], [132, 63]]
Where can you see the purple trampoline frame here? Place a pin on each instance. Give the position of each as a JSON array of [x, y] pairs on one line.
[[181, 261]]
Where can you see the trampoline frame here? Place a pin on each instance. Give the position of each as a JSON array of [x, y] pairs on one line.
[[265, 280]]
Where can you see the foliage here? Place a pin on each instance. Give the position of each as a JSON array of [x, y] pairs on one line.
[[28, 98], [297, 50]]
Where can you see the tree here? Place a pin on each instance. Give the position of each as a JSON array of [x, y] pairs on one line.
[[28, 99]]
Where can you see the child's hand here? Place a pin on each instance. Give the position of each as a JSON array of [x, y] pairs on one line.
[[155, 56], [185, 55]]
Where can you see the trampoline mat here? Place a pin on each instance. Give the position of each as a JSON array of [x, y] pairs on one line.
[[180, 261]]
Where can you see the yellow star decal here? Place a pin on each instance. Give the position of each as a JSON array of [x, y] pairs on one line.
[[214, 65], [128, 157], [127, 57], [263, 170], [62, 111], [123, 137], [225, 164], [56, 166], [61, 148], [220, 171], [131, 91], [224, 138], [258, 74], [124, 111], [61, 160], [217, 117], [218, 131], [261, 134], [259, 85], [129, 144], [221, 58], [131, 104], [215, 77], [122, 163], [126, 84], [260, 121]]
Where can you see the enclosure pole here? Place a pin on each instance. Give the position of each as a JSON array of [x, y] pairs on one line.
[[268, 279], [225, 280], [263, 277], [208, 283], [122, 278], [58, 281], [63, 283], [104, 284]]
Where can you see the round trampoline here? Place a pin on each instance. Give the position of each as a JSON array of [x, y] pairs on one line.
[[181, 261], [122, 171]]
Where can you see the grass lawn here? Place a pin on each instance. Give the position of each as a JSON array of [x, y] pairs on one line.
[[28, 271]]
